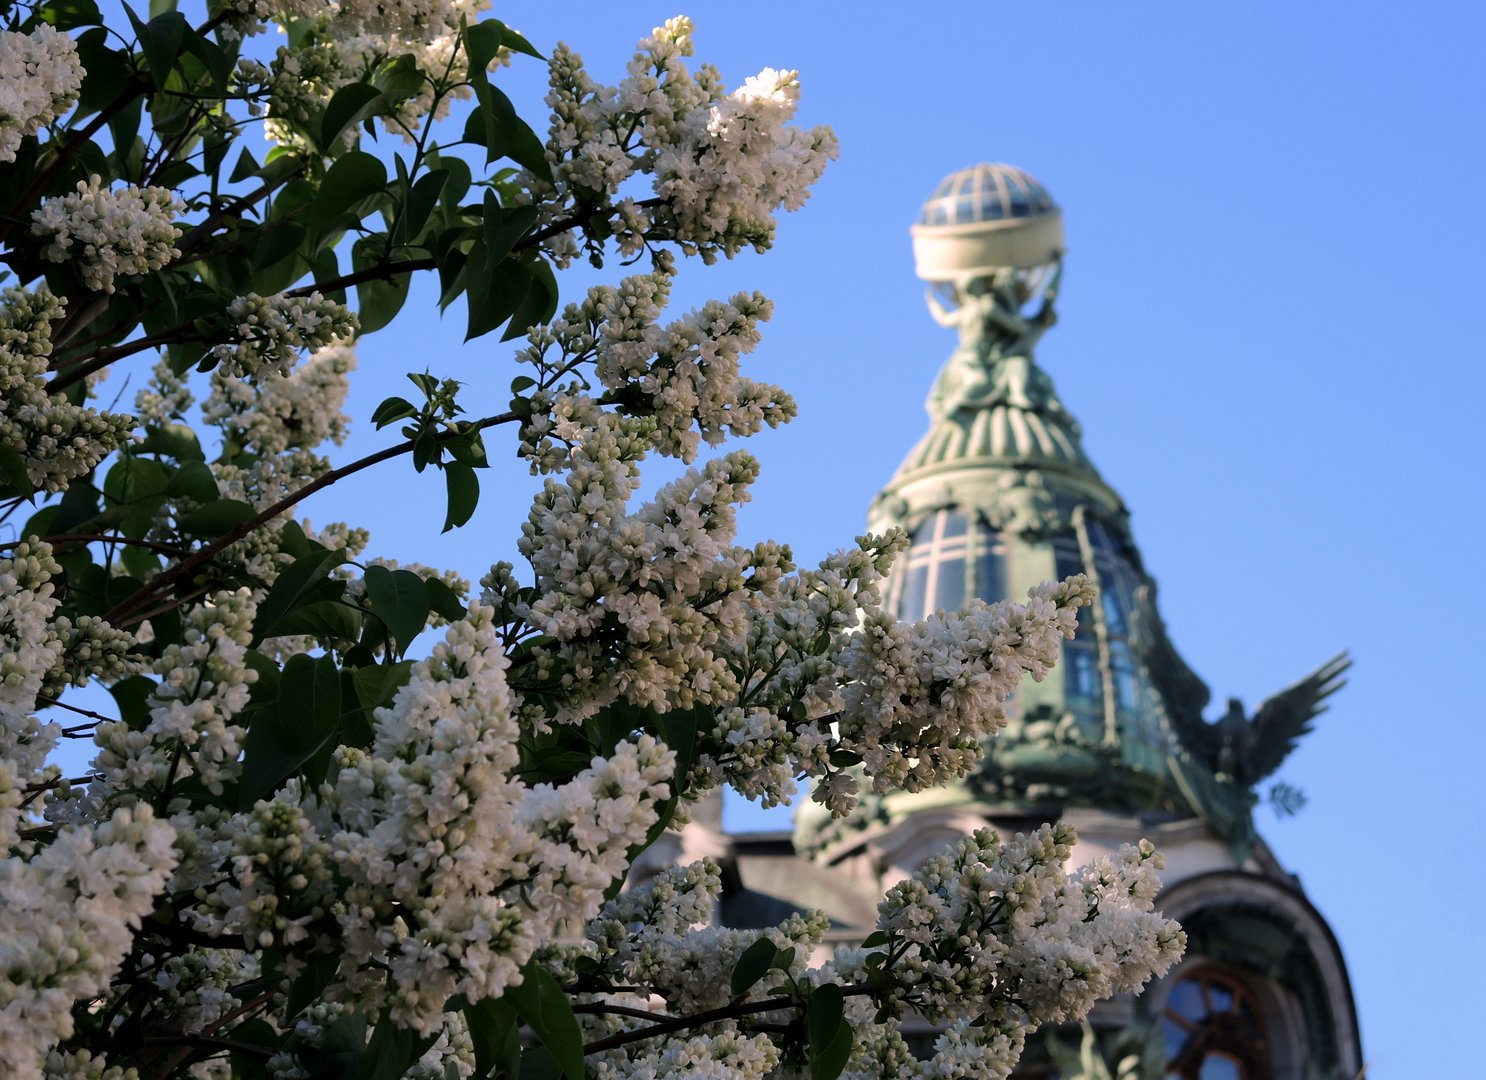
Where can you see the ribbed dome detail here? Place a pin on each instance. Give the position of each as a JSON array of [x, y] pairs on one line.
[[999, 435]]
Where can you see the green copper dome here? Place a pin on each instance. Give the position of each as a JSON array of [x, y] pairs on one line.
[[998, 496]]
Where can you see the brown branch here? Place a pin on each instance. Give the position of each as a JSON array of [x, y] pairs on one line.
[[58, 703], [214, 1041], [371, 273], [725, 1012], [77, 370], [137, 86], [188, 566], [58, 539]]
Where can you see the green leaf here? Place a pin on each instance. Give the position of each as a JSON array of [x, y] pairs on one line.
[[493, 294], [539, 1063], [874, 939], [70, 14], [426, 450], [392, 410], [247, 165], [194, 480], [679, 732], [752, 966], [293, 587], [504, 225], [13, 474], [348, 105], [172, 441], [828, 1033], [399, 599], [277, 243], [160, 41], [105, 70], [379, 301], [217, 517], [319, 969], [538, 305], [331, 621], [265, 689], [495, 1032], [482, 41], [132, 479], [269, 758], [353, 177], [377, 684], [391, 1052], [213, 58], [464, 493], [309, 703], [443, 601], [422, 200], [292, 541], [400, 79], [495, 125], [141, 563], [512, 40], [546, 1009]]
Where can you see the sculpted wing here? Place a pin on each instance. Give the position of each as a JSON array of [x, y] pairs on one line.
[[1279, 723], [1184, 694]]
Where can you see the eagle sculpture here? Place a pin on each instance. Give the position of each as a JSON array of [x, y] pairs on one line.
[[1244, 750], [1219, 763]]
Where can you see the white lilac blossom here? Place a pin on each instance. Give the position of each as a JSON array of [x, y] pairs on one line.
[[419, 828], [266, 335], [56, 440], [990, 938], [192, 729], [721, 164], [40, 77], [684, 374], [70, 912], [921, 697], [341, 43], [108, 234], [999, 931], [279, 412]]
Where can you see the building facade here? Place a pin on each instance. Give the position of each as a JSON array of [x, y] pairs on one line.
[[997, 496]]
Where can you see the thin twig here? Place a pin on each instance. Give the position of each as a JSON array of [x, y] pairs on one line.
[[188, 566], [726, 1012]]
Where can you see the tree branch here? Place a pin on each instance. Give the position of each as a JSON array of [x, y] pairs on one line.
[[726, 1012], [182, 570]]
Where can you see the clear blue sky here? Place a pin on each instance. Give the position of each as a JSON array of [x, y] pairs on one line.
[[1269, 332]]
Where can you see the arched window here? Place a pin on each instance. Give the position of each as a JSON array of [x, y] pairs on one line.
[[1214, 1030]]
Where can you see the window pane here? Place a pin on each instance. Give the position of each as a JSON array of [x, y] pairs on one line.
[[1114, 605], [1186, 1001], [915, 588], [1083, 672], [1220, 1067], [954, 522], [989, 583], [1175, 1036], [949, 589]]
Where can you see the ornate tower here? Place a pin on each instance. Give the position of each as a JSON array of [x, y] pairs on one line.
[[998, 496]]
